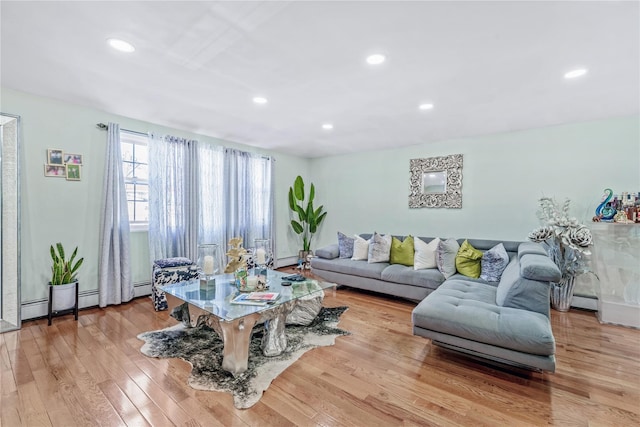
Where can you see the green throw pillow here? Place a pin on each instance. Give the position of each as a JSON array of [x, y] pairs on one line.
[[402, 252], [469, 260]]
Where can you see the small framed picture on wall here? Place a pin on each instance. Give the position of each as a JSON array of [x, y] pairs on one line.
[[54, 157], [56, 171], [73, 172], [72, 159]]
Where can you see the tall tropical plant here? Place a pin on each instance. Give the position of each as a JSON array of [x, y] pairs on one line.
[[308, 218], [63, 271]]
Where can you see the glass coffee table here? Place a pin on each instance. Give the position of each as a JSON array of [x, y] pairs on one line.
[[194, 302]]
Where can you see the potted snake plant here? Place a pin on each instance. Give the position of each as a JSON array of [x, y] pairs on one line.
[[64, 273]]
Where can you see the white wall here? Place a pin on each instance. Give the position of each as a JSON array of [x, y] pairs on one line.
[[503, 177], [57, 210]]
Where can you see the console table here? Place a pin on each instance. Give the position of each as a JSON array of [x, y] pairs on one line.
[[616, 261]]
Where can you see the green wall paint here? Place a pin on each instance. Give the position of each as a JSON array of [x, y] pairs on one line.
[[54, 209], [503, 177]]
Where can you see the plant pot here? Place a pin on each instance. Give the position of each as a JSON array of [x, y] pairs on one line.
[[562, 293], [63, 297], [304, 259]]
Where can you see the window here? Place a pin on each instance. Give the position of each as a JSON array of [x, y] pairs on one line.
[[135, 167]]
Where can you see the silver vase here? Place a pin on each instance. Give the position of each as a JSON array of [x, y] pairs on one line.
[[562, 293]]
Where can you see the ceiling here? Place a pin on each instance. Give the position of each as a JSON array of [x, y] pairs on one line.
[[487, 67]]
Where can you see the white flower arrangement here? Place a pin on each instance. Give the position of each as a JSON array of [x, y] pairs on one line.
[[566, 239]]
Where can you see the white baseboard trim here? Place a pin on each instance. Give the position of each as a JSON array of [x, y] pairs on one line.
[[285, 262], [141, 289], [619, 312], [585, 302], [86, 299]]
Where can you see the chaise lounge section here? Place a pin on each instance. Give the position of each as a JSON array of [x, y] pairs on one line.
[[505, 321], [508, 323]]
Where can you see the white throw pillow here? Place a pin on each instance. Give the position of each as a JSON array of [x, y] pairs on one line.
[[425, 253], [446, 257], [360, 249]]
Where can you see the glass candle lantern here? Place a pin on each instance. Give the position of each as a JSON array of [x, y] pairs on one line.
[[262, 255], [262, 258], [209, 262]]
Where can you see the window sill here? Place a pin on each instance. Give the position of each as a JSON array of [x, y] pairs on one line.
[[138, 227]]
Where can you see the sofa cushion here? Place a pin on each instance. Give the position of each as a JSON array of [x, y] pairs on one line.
[[516, 291], [468, 260], [485, 245], [467, 309], [328, 252], [402, 251], [347, 266], [446, 257], [360, 249], [379, 248], [493, 263], [531, 248], [425, 253], [345, 244], [459, 276], [539, 267], [396, 273]]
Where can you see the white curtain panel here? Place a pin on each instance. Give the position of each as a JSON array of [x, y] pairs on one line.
[[203, 193], [248, 190], [211, 212], [272, 207], [173, 197], [114, 269]]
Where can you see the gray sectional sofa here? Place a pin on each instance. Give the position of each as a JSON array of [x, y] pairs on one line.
[[505, 321]]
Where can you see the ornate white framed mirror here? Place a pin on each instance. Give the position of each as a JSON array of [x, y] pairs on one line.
[[436, 182]]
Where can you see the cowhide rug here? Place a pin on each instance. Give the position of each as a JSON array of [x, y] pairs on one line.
[[202, 347]]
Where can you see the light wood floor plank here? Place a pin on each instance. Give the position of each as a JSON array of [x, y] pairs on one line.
[[91, 372]]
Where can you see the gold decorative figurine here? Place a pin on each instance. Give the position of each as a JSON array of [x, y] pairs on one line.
[[236, 254]]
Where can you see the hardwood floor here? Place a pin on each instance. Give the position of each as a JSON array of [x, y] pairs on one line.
[[91, 372]]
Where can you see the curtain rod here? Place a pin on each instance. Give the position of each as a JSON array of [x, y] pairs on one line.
[[105, 127]]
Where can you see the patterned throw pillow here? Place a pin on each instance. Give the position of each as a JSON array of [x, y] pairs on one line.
[[379, 248], [446, 257], [468, 260], [425, 254], [402, 251], [360, 249], [493, 263], [345, 244]]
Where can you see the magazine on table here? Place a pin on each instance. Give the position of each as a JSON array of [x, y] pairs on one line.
[[255, 298], [263, 296]]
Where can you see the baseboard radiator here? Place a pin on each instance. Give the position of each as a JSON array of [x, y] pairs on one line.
[[86, 299]]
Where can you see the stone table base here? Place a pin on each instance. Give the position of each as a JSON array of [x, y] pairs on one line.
[[236, 334]]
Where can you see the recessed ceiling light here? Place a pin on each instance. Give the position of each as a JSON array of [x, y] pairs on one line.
[[260, 100], [327, 126], [425, 106], [575, 73], [376, 59], [121, 45]]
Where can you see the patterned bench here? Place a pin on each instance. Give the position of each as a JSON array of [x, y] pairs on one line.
[[167, 271]]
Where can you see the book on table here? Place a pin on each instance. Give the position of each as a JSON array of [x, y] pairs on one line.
[[255, 298]]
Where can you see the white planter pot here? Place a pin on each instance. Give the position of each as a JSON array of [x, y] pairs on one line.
[[63, 296]]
